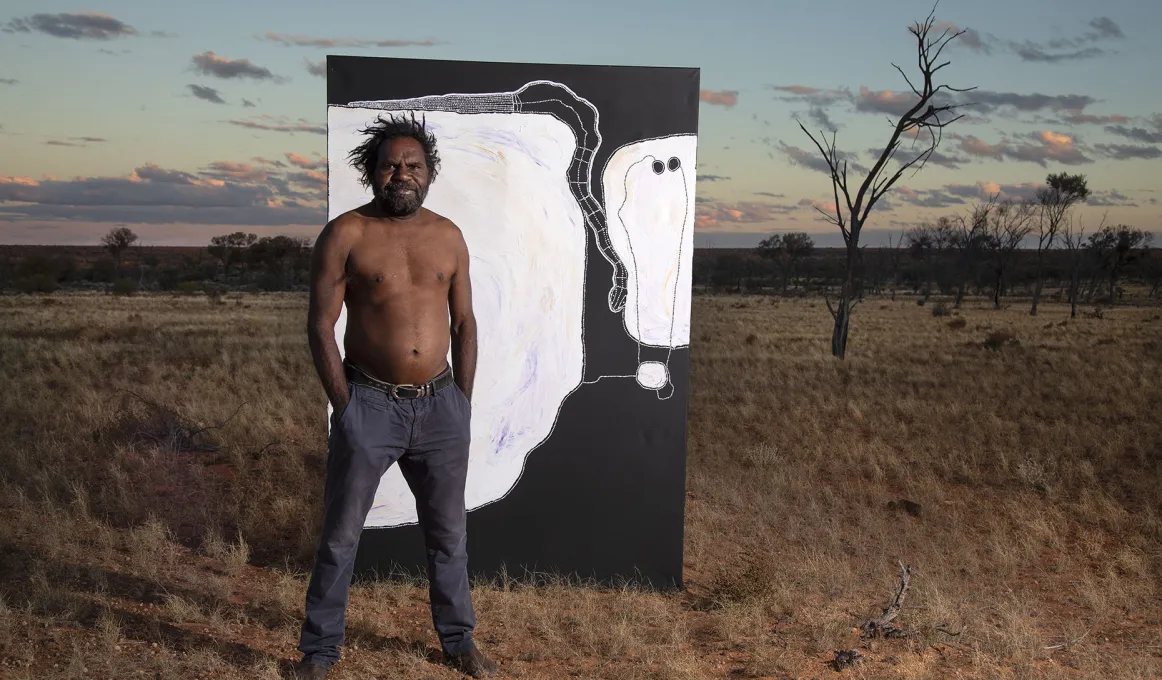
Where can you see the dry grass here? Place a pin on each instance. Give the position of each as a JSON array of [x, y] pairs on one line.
[[161, 498]]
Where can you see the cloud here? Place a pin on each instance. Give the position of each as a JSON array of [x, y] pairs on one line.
[[988, 101], [206, 93], [1078, 118], [247, 104], [828, 207], [711, 213], [151, 172], [977, 147], [1037, 147], [814, 161], [304, 162], [8, 81], [81, 26], [770, 194], [905, 154], [815, 95], [224, 192], [280, 124], [1070, 49], [1127, 151], [289, 40], [884, 101], [970, 39], [951, 195], [727, 98], [75, 141], [1032, 52], [1071, 108], [1106, 28], [211, 64], [235, 171], [711, 178], [1140, 134], [1056, 50], [1111, 198], [316, 68], [926, 198]]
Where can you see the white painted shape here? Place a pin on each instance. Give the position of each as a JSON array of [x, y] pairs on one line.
[[653, 375], [503, 182], [651, 227]]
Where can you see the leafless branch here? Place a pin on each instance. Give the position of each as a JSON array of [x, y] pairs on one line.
[[883, 625], [1067, 645]]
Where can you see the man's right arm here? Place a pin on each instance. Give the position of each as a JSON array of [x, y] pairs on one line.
[[328, 287]]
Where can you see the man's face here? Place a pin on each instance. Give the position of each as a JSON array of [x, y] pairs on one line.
[[401, 176]]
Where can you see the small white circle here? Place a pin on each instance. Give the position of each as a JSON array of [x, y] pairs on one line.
[[653, 375]]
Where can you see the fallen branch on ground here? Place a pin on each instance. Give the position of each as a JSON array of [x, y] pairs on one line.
[[883, 626]]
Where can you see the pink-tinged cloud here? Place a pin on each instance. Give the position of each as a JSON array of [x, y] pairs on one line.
[[236, 171], [884, 101], [304, 162], [1043, 147], [211, 64], [978, 147], [712, 214], [727, 98], [226, 192], [19, 181], [1079, 118]]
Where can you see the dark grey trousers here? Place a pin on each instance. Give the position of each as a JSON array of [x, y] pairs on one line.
[[429, 438]]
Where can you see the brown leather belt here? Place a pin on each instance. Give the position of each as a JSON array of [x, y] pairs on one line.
[[358, 377]]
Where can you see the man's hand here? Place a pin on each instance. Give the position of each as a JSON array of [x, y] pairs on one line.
[[328, 286], [463, 321]]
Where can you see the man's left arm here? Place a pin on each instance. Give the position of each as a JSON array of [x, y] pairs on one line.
[[463, 321]]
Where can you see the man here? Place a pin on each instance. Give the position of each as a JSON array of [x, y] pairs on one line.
[[402, 271]]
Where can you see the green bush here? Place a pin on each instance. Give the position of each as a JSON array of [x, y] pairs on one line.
[[124, 286]]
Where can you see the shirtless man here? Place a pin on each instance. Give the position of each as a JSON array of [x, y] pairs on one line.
[[402, 271]]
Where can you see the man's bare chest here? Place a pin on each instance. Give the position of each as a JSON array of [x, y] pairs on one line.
[[399, 265]]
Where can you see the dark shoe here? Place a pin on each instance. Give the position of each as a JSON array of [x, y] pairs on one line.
[[473, 664], [308, 671]]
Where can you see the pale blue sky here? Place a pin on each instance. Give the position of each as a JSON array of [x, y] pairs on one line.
[[1091, 61]]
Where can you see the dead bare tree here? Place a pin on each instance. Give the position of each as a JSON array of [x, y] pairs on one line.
[[928, 115]]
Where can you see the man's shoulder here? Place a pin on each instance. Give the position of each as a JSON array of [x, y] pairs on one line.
[[445, 225], [346, 225]]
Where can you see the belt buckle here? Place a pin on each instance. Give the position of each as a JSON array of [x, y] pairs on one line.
[[418, 389]]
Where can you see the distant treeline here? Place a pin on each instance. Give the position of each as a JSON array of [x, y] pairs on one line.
[[238, 261], [940, 260], [925, 261]]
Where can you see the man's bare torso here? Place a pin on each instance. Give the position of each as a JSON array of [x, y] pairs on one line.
[[398, 278]]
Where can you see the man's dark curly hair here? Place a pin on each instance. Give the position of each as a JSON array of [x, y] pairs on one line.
[[365, 156]]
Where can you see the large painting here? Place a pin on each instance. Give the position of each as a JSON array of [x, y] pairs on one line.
[[574, 189]]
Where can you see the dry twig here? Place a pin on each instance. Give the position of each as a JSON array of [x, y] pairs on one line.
[[883, 626]]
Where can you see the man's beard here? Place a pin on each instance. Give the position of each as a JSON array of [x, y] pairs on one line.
[[396, 203]]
